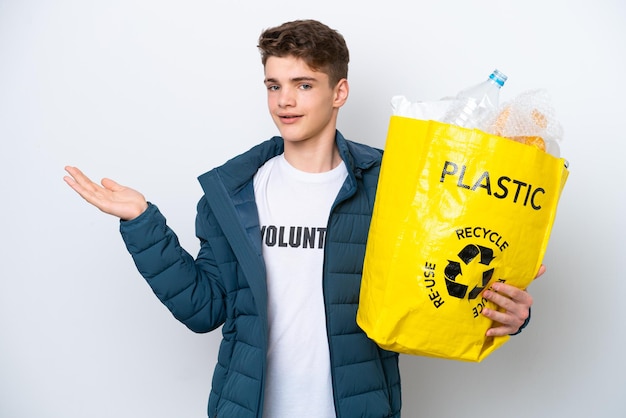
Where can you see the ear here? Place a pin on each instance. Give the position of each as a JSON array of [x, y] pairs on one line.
[[341, 91]]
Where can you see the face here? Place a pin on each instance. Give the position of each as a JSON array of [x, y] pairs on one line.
[[301, 101]]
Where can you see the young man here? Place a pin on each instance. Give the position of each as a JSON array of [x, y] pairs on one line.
[[283, 229]]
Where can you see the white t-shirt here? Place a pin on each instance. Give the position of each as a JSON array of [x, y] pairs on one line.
[[293, 211]]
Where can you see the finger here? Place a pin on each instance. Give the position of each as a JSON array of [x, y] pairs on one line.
[[542, 269], [78, 176], [503, 302], [92, 192], [513, 305], [73, 181], [80, 182], [501, 331], [505, 322], [502, 290], [111, 185]]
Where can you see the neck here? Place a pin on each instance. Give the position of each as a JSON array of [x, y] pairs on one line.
[[313, 159]]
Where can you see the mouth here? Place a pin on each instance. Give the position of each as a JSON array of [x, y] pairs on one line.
[[289, 118]]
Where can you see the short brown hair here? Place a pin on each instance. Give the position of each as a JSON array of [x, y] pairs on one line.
[[322, 48]]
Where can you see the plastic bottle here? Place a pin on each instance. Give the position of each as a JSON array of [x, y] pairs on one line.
[[477, 104]]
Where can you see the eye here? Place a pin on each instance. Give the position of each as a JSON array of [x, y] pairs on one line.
[[272, 87], [306, 86]]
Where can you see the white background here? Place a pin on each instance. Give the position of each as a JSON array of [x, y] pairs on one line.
[[154, 93]]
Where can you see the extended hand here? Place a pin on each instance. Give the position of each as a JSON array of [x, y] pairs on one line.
[[111, 198], [515, 307]]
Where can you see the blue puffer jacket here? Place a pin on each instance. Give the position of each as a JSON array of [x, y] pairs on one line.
[[225, 284]]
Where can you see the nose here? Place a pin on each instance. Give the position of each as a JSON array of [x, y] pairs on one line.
[[286, 97]]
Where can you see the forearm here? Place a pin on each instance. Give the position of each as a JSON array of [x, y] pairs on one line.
[[186, 287]]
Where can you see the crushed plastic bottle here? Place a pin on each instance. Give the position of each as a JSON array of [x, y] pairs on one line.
[[476, 105]]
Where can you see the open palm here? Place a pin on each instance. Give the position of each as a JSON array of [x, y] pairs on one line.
[[110, 197]]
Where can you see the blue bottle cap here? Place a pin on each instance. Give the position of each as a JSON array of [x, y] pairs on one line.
[[499, 77]]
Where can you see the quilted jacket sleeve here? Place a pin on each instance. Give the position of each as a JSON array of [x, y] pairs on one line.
[[189, 288]]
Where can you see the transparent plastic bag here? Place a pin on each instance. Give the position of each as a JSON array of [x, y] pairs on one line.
[[529, 118]]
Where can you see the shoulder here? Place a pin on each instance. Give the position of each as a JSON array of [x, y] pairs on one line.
[[240, 169], [360, 156], [364, 151]]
